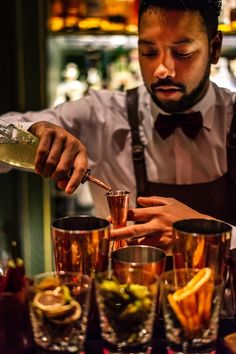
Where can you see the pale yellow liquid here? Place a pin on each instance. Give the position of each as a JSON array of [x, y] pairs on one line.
[[19, 154]]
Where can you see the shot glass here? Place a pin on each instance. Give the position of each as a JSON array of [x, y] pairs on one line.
[[118, 202], [191, 307], [59, 305], [126, 303], [81, 244], [202, 243]]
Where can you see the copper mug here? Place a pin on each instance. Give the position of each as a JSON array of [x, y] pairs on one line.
[[143, 258], [202, 243], [149, 258], [81, 244]]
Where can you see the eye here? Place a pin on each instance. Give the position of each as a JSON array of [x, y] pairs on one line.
[[182, 55], [150, 53]]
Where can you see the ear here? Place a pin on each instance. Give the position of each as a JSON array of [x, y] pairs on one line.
[[215, 47]]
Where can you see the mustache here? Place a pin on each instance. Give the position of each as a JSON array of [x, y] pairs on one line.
[[166, 82]]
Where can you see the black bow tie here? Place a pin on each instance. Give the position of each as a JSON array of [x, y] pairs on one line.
[[191, 123]]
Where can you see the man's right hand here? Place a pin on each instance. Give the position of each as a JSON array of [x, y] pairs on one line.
[[60, 156]]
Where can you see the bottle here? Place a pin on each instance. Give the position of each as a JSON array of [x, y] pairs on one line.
[[56, 20], [75, 10], [17, 146], [120, 16], [132, 25], [71, 88], [116, 15], [222, 75], [233, 17], [93, 15]]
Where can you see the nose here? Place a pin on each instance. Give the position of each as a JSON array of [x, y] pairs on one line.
[[165, 67]]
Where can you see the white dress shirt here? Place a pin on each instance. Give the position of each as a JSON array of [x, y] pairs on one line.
[[100, 121]]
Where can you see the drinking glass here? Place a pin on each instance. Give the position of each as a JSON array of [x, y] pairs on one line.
[[232, 277], [126, 302], [191, 301], [118, 202], [59, 305], [81, 243]]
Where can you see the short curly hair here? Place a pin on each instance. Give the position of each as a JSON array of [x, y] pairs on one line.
[[208, 9]]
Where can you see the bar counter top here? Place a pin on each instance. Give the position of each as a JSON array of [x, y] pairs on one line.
[[94, 343]]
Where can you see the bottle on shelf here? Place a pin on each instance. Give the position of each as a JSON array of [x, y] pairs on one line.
[[221, 74], [71, 88], [56, 20], [227, 20], [93, 15], [233, 17], [75, 10], [120, 15], [105, 15]]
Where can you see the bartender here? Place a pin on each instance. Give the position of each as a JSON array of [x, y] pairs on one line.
[[173, 137]]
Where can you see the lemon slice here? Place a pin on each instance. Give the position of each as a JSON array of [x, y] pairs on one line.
[[69, 318], [201, 278], [47, 284], [47, 300], [62, 310]]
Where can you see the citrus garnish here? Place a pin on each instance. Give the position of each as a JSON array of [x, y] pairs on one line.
[[198, 254], [230, 341], [47, 284], [56, 305], [201, 278], [192, 303], [73, 315], [48, 300], [177, 310]]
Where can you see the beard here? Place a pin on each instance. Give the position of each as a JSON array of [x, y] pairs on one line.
[[187, 100]]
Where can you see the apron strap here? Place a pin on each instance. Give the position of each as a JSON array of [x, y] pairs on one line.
[[137, 146], [231, 150]]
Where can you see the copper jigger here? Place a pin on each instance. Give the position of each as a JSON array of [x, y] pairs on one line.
[[118, 202]]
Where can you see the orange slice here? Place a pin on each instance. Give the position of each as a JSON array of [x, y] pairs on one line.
[[201, 278], [199, 254], [177, 309], [230, 342]]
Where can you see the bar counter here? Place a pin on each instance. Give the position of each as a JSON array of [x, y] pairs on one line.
[[94, 343]]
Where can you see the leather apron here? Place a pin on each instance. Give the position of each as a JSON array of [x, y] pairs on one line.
[[216, 198]]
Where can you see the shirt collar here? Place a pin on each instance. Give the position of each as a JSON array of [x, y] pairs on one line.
[[206, 106]]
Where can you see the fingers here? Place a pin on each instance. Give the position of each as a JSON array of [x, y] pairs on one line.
[[80, 168], [58, 153], [142, 214], [48, 154], [153, 201], [163, 242], [137, 230]]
